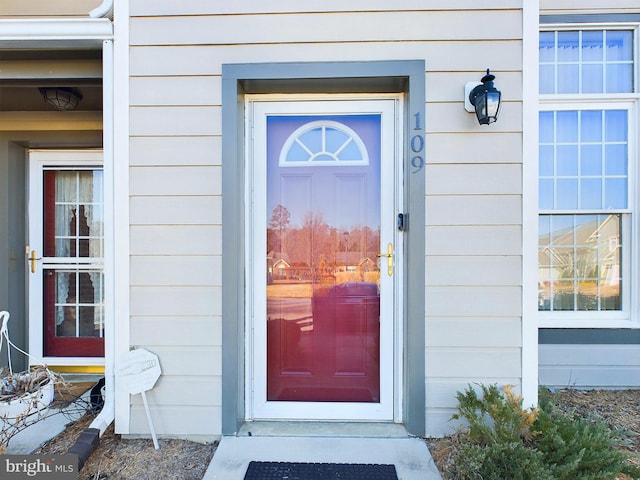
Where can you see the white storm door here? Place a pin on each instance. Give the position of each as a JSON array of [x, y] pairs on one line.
[[324, 259], [65, 257]]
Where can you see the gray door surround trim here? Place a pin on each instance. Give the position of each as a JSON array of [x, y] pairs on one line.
[[406, 76]]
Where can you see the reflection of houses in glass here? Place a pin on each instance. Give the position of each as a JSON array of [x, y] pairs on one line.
[[281, 268], [354, 262], [284, 270], [579, 263]]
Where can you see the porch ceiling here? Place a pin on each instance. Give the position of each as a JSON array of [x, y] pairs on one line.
[[22, 72]]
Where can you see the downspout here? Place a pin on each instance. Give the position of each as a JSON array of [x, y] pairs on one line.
[[105, 10], [89, 438]]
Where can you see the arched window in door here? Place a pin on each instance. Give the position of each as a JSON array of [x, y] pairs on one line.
[[323, 142]]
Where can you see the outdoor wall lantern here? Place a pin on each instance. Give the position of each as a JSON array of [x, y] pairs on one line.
[[483, 98], [61, 98]]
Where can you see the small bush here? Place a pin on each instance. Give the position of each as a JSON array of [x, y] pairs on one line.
[[579, 448], [495, 417], [505, 441], [501, 460]]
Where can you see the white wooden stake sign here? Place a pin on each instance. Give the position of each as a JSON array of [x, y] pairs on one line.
[[138, 371]]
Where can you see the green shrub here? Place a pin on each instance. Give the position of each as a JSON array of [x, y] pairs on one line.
[[501, 460], [494, 417], [578, 448], [504, 441]]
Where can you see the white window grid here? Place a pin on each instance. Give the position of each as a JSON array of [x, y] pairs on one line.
[[585, 27], [98, 209], [628, 316], [630, 232], [555, 177], [581, 63], [97, 304]]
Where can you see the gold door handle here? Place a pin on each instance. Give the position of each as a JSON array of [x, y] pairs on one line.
[[33, 258], [389, 256]]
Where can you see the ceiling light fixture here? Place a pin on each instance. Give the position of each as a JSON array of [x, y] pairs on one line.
[[62, 98]]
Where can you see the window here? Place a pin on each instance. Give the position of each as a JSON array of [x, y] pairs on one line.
[[323, 143], [586, 61], [587, 169]]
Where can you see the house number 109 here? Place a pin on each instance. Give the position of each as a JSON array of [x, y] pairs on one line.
[[417, 146]]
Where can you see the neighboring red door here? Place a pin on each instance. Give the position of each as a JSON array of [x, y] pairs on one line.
[[72, 263], [323, 234]]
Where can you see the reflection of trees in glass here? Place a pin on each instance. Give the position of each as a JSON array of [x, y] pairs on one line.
[[315, 251], [280, 219]]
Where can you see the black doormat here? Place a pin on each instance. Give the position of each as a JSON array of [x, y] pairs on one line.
[[319, 471]]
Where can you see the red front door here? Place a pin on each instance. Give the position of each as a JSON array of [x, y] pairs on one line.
[[72, 262], [323, 234]]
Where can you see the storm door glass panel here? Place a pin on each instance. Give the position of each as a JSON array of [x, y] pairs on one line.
[[323, 234], [73, 281]]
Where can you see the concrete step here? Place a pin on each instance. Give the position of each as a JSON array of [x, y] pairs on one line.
[[410, 456]]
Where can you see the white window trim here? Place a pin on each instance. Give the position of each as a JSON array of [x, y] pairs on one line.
[[629, 316]]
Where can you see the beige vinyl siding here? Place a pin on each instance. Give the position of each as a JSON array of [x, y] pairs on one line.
[[464, 148], [474, 179], [175, 216], [473, 240], [47, 8], [473, 243], [329, 27], [177, 52], [474, 270], [498, 335], [187, 210], [175, 120], [203, 7], [195, 91], [471, 209], [171, 151], [443, 56]]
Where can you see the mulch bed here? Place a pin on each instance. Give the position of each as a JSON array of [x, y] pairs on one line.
[[120, 459], [125, 459]]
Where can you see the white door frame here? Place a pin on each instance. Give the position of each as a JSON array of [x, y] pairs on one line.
[[38, 161], [391, 335]]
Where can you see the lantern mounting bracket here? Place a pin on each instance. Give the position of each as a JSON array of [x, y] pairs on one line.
[[468, 87]]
